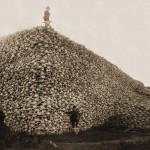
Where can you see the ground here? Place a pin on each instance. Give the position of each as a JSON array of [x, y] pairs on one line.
[[93, 139]]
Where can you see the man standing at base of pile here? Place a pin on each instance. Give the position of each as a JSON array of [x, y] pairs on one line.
[[46, 17], [74, 118]]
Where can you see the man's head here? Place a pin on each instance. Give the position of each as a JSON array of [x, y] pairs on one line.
[[47, 8], [74, 107]]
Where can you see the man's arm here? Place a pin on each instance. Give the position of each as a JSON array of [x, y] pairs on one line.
[[69, 112]]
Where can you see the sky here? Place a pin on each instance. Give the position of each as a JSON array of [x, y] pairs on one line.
[[118, 30]]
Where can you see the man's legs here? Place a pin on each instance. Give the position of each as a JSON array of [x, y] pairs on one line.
[[73, 124], [47, 23], [76, 129], [76, 124]]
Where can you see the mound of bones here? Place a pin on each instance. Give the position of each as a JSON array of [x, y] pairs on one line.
[[43, 74]]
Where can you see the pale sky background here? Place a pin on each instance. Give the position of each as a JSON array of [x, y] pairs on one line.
[[118, 30]]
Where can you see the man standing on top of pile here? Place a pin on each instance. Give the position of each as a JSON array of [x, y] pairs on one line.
[[74, 118], [46, 17]]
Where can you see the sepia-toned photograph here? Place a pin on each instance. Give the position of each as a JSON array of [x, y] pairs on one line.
[[75, 75]]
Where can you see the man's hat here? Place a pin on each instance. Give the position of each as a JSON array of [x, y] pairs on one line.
[[47, 8]]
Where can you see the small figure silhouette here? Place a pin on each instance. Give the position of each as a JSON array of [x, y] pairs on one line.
[[46, 17], [74, 118]]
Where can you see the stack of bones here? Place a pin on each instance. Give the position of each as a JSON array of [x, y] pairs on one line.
[[43, 74]]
